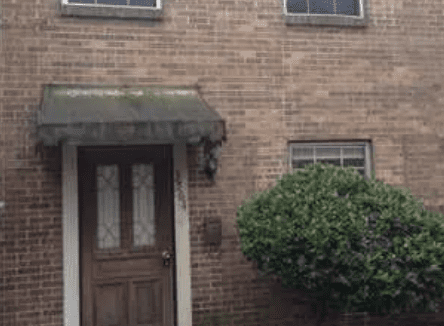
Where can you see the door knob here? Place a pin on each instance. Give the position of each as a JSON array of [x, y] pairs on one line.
[[167, 256]]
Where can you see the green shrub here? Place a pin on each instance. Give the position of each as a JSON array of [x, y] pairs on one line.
[[357, 244]]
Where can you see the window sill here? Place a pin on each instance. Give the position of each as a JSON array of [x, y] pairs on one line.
[[101, 11], [292, 19]]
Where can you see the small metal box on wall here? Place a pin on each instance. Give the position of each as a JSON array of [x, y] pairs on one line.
[[213, 231]]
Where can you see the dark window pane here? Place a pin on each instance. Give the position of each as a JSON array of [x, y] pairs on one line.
[[347, 7], [80, 1], [112, 2], [336, 162], [147, 3], [321, 7], [300, 164], [297, 6], [357, 162]]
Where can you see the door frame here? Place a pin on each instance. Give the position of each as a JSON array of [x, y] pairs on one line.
[[71, 236]]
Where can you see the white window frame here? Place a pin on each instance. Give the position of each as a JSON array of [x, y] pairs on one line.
[[366, 145], [105, 10], [328, 19], [158, 5]]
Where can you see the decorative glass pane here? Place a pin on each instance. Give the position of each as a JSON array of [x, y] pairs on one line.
[[108, 207], [143, 205]]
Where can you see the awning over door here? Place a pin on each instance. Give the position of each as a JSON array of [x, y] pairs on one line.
[[110, 114]]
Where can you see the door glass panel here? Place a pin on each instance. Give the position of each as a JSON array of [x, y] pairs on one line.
[[108, 207], [143, 205]]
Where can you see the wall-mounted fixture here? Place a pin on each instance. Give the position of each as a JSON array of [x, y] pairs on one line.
[[213, 231]]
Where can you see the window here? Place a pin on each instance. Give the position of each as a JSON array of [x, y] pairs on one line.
[[326, 12], [355, 155], [113, 8]]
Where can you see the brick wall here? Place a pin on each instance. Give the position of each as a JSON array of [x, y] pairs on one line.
[[272, 83]]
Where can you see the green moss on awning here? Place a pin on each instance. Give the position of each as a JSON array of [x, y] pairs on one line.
[[121, 114]]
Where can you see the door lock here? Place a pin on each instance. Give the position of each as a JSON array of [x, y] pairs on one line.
[[167, 256]]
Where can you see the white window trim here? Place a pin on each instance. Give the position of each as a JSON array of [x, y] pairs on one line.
[[70, 223], [361, 12], [367, 152], [113, 11], [158, 5]]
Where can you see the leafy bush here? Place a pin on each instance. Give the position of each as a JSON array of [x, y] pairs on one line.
[[357, 244]]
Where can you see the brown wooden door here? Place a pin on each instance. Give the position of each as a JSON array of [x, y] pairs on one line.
[[126, 224]]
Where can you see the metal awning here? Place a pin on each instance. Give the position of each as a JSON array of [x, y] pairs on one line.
[[108, 114]]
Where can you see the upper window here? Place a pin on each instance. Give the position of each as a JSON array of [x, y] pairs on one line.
[[326, 12], [113, 8], [356, 155]]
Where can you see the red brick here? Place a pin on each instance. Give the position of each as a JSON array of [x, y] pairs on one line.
[[271, 82]]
